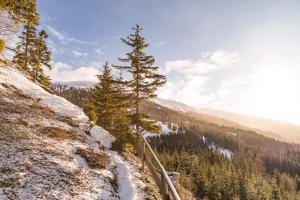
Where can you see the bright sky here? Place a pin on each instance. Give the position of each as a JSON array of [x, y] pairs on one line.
[[239, 56]]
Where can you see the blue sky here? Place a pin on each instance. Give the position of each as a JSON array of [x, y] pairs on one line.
[[240, 56]]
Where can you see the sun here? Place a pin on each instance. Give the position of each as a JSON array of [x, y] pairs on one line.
[[272, 94]]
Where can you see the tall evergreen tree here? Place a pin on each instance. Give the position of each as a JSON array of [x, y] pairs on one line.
[[25, 48], [145, 78], [42, 58]]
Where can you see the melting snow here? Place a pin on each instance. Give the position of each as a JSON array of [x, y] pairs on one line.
[[225, 152], [102, 136], [53, 160], [58, 104], [129, 180], [166, 128]]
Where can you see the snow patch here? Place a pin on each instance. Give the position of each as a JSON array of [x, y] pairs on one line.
[[56, 170], [130, 185], [166, 128], [102, 136], [225, 152], [129, 179], [58, 104]]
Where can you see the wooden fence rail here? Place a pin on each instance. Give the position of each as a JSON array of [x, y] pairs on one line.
[[158, 172]]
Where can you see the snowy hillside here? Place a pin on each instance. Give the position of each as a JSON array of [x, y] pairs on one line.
[[49, 150]]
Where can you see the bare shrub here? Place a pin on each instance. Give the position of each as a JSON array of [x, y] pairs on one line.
[[95, 160]]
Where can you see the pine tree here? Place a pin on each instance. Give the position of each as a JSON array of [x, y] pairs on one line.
[[242, 181], [120, 129], [107, 98], [42, 58], [25, 48], [11, 11], [145, 79], [90, 109], [14, 8]]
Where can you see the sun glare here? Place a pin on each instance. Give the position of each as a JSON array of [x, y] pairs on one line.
[[272, 95]]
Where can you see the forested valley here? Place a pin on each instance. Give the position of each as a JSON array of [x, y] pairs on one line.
[[257, 167]]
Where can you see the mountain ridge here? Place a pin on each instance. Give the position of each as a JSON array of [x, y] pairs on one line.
[[268, 127]]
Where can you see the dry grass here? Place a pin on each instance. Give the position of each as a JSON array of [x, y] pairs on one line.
[[10, 182], [95, 160], [61, 134], [23, 122], [70, 121], [16, 91], [6, 170], [38, 106], [184, 193]]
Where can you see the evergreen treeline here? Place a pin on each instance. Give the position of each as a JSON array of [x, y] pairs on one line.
[[32, 54], [260, 168], [74, 94], [210, 174]]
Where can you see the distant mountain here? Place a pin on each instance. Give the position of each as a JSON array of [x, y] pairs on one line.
[[72, 84], [270, 128], [174, 105]]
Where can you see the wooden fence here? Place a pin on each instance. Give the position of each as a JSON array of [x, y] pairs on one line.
[[158, 172]]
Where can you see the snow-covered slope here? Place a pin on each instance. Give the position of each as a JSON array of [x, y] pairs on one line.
[[49, 150], [58, 104]]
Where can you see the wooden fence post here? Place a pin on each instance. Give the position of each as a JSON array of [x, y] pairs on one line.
[[144, 156], [164, 187]]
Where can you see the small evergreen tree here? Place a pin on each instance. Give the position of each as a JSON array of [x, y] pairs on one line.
[[145, 79], [90, 109], [108, 99], [120, 130]]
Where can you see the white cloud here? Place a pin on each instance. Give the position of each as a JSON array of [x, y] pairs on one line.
[[79, 54], [208, 62], [161, 43], [99, 51], [56, 33], [63, 72], [187, 90], [189, 81], [64, 38]]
